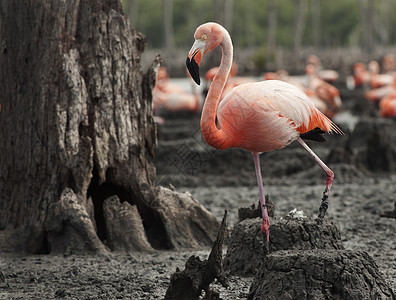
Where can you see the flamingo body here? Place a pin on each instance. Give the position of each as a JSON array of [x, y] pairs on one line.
[[259, 116], [380, 80], [173, 97], [270, 115], [388, 106]]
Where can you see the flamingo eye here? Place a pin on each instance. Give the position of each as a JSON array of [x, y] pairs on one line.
[[204, 37]]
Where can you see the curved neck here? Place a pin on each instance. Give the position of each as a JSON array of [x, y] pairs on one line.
[[212, 135]]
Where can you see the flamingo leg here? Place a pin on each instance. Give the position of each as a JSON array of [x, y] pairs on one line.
[[265, 224], [324, 205]]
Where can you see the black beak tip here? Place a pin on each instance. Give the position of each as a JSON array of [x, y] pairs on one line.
[[193, 69]]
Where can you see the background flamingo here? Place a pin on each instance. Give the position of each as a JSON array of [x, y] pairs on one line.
[[388, 71], [324, 74], [377, 94], [363, 76], [325, 96], [259, 117], [388, 106], [173, 97], [232, 79], [324, 91]]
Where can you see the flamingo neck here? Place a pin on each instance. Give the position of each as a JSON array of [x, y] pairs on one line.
[[213, 135]]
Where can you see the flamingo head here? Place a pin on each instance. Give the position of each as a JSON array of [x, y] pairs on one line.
[[207, 37]]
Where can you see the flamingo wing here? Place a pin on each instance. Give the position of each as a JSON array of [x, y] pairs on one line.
[[268, 115], [285, 99]]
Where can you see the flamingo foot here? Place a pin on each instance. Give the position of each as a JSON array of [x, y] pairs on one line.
[[265, 228]]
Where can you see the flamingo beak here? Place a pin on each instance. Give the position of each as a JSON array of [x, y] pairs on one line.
[[194, 59]]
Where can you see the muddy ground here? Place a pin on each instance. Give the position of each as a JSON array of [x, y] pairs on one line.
[[363, 189]]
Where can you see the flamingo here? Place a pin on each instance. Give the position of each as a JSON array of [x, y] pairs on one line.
[[258, 116], [386, 78], [173, 97], [325, 74], [362, 76], [388, 63], [302, 83], [387, 106], [377, 94], [323, 90], [232, 80]]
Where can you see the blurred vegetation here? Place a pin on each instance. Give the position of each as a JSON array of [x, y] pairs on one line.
[[339, 23]]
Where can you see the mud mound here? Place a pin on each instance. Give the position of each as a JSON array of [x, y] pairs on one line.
[[372, 145], [245, 254], [320, 274]]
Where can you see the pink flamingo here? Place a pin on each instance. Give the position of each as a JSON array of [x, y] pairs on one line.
[[387, 106], [377, 94], [259, 117], [325, 74], [323, 90], [173, 97], [362, 76], [386, 78], [301, 82], [232, 80]]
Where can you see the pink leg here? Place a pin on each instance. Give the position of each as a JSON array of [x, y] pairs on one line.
[[324, 204], [265, 225], [329, 173]]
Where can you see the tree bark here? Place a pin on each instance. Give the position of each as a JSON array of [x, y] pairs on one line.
[[228, 15], [316, 24], [367, 14], [76, 128], [217, 11], [168, 28], [271, 33], [299, 24], [382, 22]]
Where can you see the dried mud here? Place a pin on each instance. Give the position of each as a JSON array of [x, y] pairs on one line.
[[364, 188]]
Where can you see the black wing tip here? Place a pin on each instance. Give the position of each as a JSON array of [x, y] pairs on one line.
[[314, 135]]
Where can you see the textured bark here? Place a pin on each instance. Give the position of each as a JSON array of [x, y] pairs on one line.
[[73, 107], [124, 227], [76, 125], [187, 223]]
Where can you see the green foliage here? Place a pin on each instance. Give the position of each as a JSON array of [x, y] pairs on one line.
[[342, 20], [259, 58], [341, 23]]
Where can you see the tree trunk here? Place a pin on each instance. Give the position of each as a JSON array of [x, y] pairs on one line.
[[367, 14], [248, 25], [168, 28], [299, 25], [382, 22], [76, 131], [228, 15], [316, 24], [271, 33], [217, 12]]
